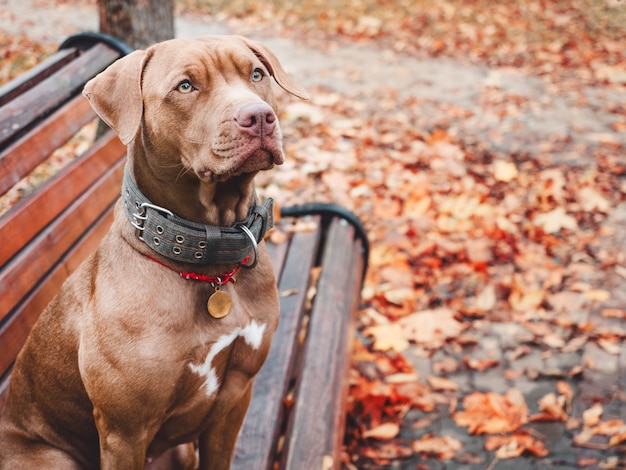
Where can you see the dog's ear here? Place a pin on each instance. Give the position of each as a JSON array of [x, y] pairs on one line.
[[115, 95], [276, 70]]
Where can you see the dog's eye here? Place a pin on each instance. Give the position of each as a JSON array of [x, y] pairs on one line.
[[185, 87], [257, 75]]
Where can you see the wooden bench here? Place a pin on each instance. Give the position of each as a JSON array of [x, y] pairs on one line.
[[296, 418]]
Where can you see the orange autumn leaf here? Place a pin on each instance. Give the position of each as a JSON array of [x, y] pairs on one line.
[[389, 336], [614, 429], [591, 416], [383, 431], [553, 407], [431, 328], [618, 437], [508, 447], [480, 364], [611, 427], [441, 383], [565, 389], [444, 447], [490, 413]]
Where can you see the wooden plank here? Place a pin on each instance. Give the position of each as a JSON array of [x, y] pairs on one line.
[[18, 115], [24, 221], [278, 253], [340, 405], [25, 270], [316, 423], [20, 158], [33, 76], [256, 446], [14, 332]]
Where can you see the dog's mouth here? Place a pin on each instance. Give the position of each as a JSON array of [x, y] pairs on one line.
[[258, 159]]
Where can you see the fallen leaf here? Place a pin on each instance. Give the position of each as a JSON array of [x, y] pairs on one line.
[[402, 378], [479, 364], [554, 406], [591, 416], [442, 383], [383, 432], [613, 313], [609, 346], [444, 447], [504, 171], [491, 413], [431, 328], [597, 295], [509, 447], [387, 337], [555, 220]]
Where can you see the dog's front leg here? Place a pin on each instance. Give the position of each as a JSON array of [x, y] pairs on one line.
[[118, 448], [218, 442]]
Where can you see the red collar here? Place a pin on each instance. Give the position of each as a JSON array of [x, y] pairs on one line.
[[214, 280]]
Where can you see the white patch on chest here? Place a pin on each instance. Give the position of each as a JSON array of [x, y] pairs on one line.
[[252, 334]]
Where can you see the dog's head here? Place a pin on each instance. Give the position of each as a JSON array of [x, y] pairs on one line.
[[204, 105]]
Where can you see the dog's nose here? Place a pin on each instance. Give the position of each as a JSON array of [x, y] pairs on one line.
[[257, 119]]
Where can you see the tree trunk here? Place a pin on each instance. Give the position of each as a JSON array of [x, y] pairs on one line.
[[140, 23]]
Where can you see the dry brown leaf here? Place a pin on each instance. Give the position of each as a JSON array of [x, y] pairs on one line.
[[555, 220], [402, 378], [387, 337], [431, 328], [509, 447], [383, 432], [442, 383], [591, 416], [479, 364], [444, 448], [609, 346], [554, 406], [490, 413], [597, 295], [613, 313], [504, 171]]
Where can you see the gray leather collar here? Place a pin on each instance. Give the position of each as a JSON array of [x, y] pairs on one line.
[[190, 242]]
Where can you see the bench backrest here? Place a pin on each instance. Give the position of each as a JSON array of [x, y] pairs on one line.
[[50, 231]]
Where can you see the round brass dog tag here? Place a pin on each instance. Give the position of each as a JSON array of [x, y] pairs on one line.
[[219, 304]]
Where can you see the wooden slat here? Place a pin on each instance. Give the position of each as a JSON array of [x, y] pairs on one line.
[[36, 74], [14, 332], [20, 158], [26, 268], [24, 221], [20, 113], [342, 391], [316, 423], [257, 441], [278, 253]]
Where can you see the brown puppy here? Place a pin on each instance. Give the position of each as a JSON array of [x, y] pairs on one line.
[[128, 360]]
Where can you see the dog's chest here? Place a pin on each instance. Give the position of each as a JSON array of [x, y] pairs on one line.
[[238, 350], [214, 378]]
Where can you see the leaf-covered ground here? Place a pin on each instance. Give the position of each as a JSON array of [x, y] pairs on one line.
[[492, 328]]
